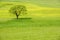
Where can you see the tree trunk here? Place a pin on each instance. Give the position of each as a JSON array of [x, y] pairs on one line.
[[17, 16]]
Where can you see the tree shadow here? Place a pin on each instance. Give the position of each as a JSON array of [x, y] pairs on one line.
[[20, 20], [16, 22], [23, 18], [13, 20]]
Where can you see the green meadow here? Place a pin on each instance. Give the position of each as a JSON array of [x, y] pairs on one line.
[[40, 22]]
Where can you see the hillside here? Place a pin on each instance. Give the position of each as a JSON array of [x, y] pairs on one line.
[[45, 3], [32, 10]]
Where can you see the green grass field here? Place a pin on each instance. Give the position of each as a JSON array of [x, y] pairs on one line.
[[28, 29], [41, 23]]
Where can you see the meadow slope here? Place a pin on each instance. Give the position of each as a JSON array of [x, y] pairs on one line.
[[41, 23]]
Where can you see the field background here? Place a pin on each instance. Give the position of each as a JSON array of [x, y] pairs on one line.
[[41, 23]]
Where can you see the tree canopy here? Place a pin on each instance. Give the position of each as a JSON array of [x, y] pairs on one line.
[[18, 10]]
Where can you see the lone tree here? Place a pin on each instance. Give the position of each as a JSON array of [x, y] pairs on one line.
[[18, 10]]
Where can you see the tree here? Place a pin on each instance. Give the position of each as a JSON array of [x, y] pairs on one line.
[[18, 10]]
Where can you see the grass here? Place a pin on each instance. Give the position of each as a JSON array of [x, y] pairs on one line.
[[30, 29], [45, 3], [24, 22], [41, 23], [30, 33]]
